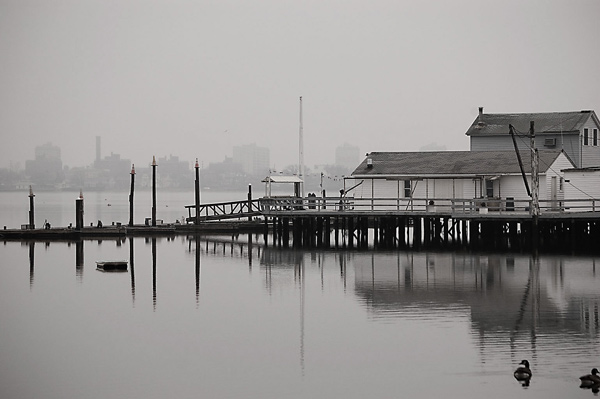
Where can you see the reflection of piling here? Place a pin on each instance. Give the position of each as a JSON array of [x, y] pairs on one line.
[[153, 191], [131, 195], [79, 212], [31, 209], [131, 268], [197, 239], [31, 262], [79, 259], [197, 187], [154, 272]]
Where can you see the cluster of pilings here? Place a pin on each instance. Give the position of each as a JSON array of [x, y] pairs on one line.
[[388, 232]]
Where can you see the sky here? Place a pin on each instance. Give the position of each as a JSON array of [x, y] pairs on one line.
[[195, 78]]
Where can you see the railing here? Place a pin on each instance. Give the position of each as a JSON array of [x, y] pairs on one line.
[[451, 206], [444, 206], [224, 210]]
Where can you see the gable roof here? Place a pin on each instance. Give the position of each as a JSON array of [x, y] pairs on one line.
[[547, 122], [445, 164]]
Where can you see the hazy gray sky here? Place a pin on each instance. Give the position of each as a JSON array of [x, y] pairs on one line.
[[194, 78]]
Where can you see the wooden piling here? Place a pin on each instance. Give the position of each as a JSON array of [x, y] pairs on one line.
[[31, 209], [249, 201], [79, 212], [153, 191], [131, 195], [197, 192]]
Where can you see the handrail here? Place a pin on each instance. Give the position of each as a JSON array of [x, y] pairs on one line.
[[446, 206], [452, 206]]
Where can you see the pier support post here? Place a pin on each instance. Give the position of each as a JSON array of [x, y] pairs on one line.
[[131, 195], [31, 209], [153, 191], [79, 211], [249, 201], [197, 192]]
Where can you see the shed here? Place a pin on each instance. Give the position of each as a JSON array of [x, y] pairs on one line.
[[448, 175], [282, 179]]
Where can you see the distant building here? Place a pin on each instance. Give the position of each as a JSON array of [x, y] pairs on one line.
[[347, 156], [174, 173], [47, 168], [254, 160], [574, 132]]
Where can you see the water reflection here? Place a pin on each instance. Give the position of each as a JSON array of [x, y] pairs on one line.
[[132, 269], [512, 302]]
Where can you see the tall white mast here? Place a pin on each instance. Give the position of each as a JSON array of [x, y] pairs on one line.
[[301, 153]]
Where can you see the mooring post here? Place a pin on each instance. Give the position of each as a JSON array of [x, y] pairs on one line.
[[79, 211], [131, 195], [197, 187], [250, 201], [153, 191], [31, 209]]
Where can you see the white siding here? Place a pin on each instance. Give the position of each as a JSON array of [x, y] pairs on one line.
[[590, 154], [582, 191], [567, 142]]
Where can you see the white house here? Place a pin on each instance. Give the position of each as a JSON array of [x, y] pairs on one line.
[[576, 133], [493, 177]]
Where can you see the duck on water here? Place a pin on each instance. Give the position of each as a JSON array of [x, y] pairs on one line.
[[523, 372], [590, 380]]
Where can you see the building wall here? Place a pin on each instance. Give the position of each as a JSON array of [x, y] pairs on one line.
[[569, 142], [590, 153], [254, 160], [583, 185]]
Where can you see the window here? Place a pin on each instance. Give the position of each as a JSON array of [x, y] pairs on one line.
[[595, 137], [560, 184], [407, 189], [585, 137], [489, 188]]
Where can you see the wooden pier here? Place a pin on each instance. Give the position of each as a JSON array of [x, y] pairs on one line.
[[380, 223], [421, 223]]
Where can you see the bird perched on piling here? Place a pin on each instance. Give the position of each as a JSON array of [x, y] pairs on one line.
[[523, 372], [589, 380]]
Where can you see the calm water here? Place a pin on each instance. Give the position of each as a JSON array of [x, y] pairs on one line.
[[227, 317]]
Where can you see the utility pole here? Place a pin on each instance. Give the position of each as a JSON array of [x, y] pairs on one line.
[[535, 177], [535, 182]]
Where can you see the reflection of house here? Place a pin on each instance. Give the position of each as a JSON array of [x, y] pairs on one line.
[[457, 175], [574, 132], [501, 294]]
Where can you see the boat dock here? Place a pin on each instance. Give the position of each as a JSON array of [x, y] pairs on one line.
[[380, 223]]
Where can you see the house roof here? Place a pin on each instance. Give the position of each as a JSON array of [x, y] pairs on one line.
[[548, 122], [446, 164]]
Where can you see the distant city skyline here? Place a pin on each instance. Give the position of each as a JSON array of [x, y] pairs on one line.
[[197, 78]]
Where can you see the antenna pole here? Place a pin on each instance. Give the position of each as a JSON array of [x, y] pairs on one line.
[[301, 153]]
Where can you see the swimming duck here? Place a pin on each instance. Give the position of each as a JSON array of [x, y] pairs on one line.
[[590, 379], [523, 372]]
